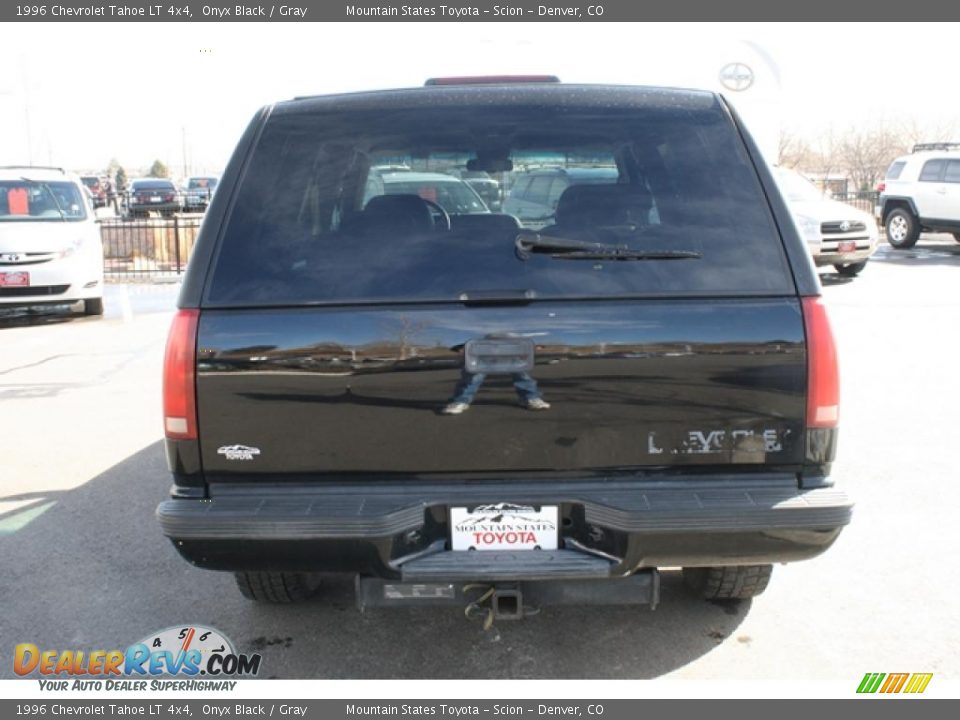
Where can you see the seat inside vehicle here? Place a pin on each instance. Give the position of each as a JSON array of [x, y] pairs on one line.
[[603, 206], [408, 214]]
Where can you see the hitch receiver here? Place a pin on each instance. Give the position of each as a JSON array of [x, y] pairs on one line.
[[507, 600]]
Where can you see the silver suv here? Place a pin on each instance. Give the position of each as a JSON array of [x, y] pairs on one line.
[[921, 193]]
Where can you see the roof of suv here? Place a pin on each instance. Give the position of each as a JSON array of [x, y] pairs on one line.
[[405, 176], [922, 156], [506, 94], [16, 172], [928, 154]]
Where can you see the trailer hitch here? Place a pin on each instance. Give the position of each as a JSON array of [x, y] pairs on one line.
[[497, 602]]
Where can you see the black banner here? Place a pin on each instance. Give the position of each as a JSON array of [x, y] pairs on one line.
[[162, 709]]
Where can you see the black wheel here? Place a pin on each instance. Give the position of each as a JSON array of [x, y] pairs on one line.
[[903, 230], [276, 587], [729, 582], [93, 306], [956, 236], [851, 270]]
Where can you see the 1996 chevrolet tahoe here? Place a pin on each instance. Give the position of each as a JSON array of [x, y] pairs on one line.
[[444, 403]]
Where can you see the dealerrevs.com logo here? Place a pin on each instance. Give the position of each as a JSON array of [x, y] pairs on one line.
[[186, 652]]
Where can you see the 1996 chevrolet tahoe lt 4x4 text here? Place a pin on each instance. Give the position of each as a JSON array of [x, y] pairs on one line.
[[435, 397]]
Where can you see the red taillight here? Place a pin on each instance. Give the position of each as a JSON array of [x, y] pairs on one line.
[[823, 378], [179, 391], [881, 187]]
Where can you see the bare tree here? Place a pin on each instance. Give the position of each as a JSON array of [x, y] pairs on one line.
[[914, 131], [862, 153], [824, 157], [793, 152], [865, 153]]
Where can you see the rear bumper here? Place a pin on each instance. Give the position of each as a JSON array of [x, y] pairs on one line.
[[374, 529], [154, 207], [831, 256], [54, 289]]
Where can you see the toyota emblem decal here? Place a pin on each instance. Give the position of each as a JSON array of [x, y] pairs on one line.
[[736, 76]]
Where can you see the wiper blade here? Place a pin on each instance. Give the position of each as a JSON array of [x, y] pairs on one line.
[[50, 193], [562, 248], [621, 254], [530, 243]]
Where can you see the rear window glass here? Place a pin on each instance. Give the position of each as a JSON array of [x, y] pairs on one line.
[[201, 183], [893, 172], [931, 171], [153, 185], [953, 172], [671, 205]]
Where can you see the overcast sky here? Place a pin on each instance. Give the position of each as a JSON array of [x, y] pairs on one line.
[[84, 92]]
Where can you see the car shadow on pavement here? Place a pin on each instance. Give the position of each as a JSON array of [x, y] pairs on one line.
[[831, 279], [91, 570], [923, 254], [41, 315]]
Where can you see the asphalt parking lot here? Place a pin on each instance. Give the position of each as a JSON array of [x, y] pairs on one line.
[[83, 563]]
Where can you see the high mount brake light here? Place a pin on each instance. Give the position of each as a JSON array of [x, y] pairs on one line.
[[492, 80], [823, 380], [179, 375]]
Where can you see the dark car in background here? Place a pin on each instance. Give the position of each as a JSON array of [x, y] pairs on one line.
[[457, 407], [146, 195]]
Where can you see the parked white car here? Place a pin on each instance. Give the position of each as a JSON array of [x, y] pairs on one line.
[[921, 193], [50, 247], [836, 233]]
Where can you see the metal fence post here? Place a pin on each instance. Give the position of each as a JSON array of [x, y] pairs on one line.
[[176, 241]]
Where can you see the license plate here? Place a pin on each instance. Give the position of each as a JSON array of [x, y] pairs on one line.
[[504, 526], [505, 356], [155, 198], [15, 279], [847, 246]]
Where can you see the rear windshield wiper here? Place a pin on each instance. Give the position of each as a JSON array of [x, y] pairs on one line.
[[570, 249]]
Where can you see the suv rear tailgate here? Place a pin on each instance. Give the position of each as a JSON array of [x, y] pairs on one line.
[[317, 393]]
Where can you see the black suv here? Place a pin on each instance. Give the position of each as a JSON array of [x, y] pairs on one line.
[[459, 408]]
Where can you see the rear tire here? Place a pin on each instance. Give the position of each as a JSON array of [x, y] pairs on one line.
[[851, 270], [93, 306], [277, 587], [729, 582], [903, 229]]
